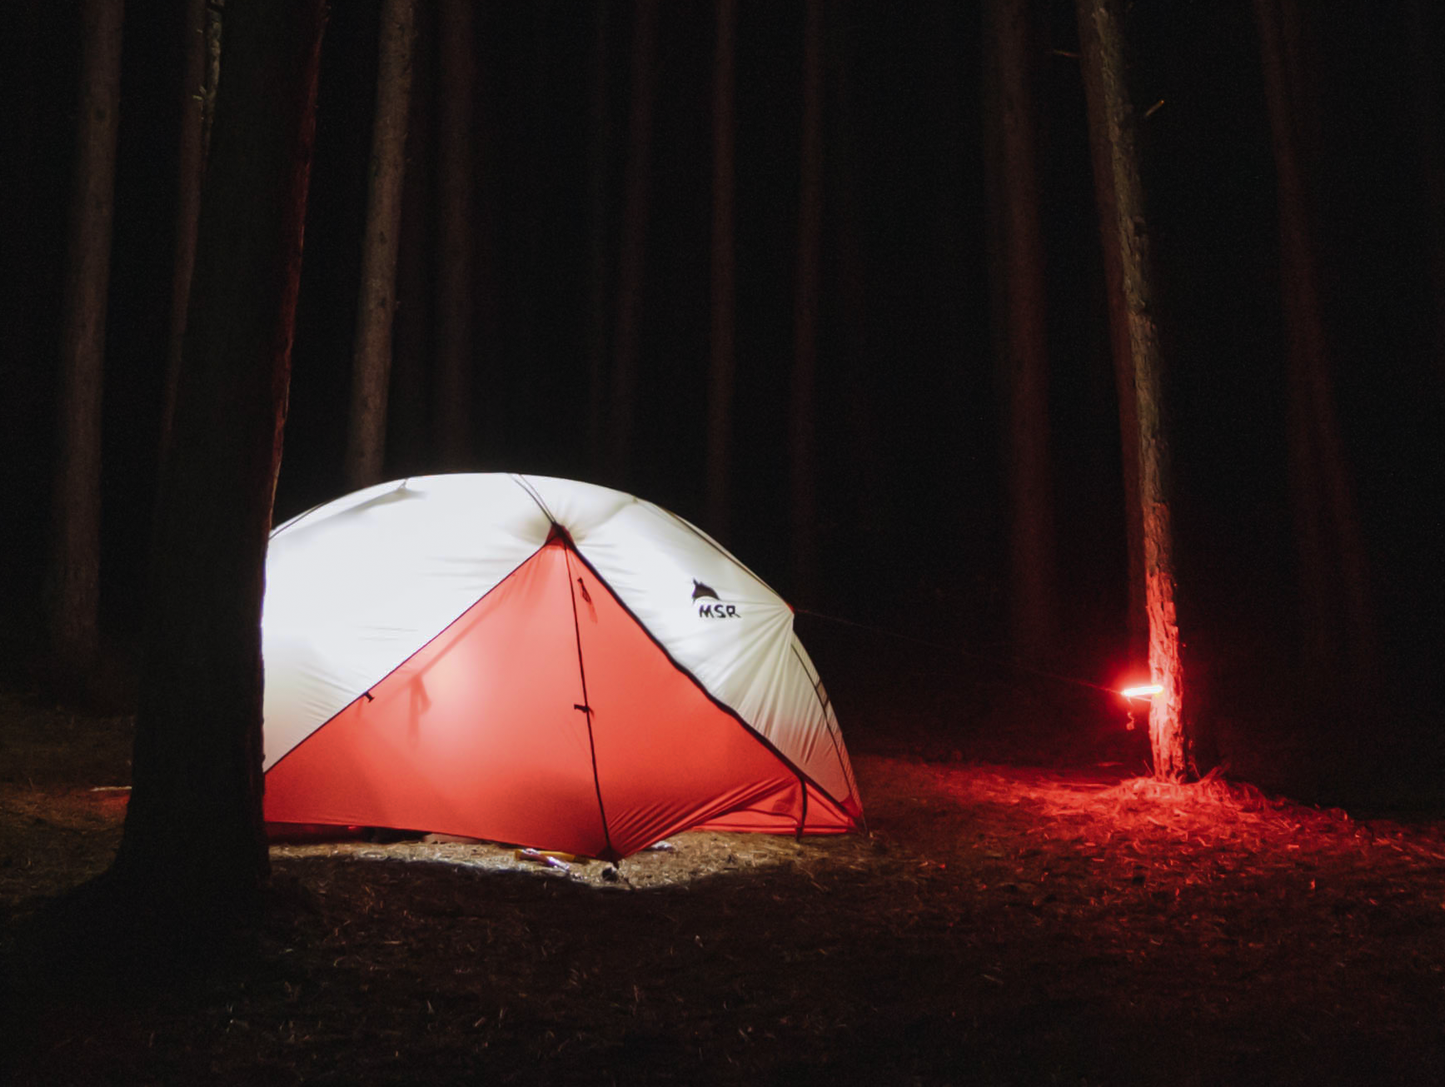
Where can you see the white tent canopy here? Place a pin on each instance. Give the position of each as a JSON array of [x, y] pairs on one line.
[[424, 639]]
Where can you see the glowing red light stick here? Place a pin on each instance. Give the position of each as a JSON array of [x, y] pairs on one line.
[[1143, 691]]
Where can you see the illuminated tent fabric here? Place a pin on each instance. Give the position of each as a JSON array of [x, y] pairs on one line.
[[540, 662]]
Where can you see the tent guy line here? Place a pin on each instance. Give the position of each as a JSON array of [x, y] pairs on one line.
[[987, 658]]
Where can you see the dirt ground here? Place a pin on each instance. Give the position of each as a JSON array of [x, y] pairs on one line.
[[998, 925]]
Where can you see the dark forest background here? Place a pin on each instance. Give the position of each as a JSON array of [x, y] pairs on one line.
[[911, 525]]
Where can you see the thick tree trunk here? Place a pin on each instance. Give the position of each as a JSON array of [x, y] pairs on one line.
[[1017, 267], [1112, 132], [194, 840], [371, 362], [1336, 622], [75, 572], [637, 184], [802, 464], [190, 166], [724, 265], [456, 240]]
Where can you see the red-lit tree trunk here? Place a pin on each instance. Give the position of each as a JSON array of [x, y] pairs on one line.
[[456, 240], [1017, 274], [802, 465], [1336, 623], [637, 183], [75, 564], [371, 360], [724, 264], [1112, 132], [194, 842]]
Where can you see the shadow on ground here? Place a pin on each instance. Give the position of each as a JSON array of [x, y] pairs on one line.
[[1001, 925]]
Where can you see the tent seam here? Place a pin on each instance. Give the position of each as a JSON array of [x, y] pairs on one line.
[[754, 733], [400, 664], [587, 709], [823, 705]]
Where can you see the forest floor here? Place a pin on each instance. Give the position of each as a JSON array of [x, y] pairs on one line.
[[998, 924]]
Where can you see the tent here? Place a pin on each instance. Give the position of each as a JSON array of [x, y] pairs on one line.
[[539, 662]]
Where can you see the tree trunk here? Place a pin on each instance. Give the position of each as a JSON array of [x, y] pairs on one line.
[[214, 11], [407, 414], [724, 263], [530, 398], [194, 841], [1113, 135], [1017, 267], [1424, 30], [803, 449], [75, 575], [870, 507], [1336, 624], [371, 363], [190, 166], [634, 242], [1136, 617], [456, 240], [599, 144]]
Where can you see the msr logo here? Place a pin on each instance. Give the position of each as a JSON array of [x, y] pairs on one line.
[[711, 606]]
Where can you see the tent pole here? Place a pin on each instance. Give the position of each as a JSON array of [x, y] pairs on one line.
[[586, 706]]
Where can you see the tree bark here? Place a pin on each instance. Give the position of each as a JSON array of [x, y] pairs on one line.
[[1017, 267], [371, 362], [724, 264], [1113, 134], [75, 573], [1336, 622], [637, 183], [803, 446], [194, 840], [215, 9], [190, 166], [414, 326], [456, 240], [1136, 617]]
